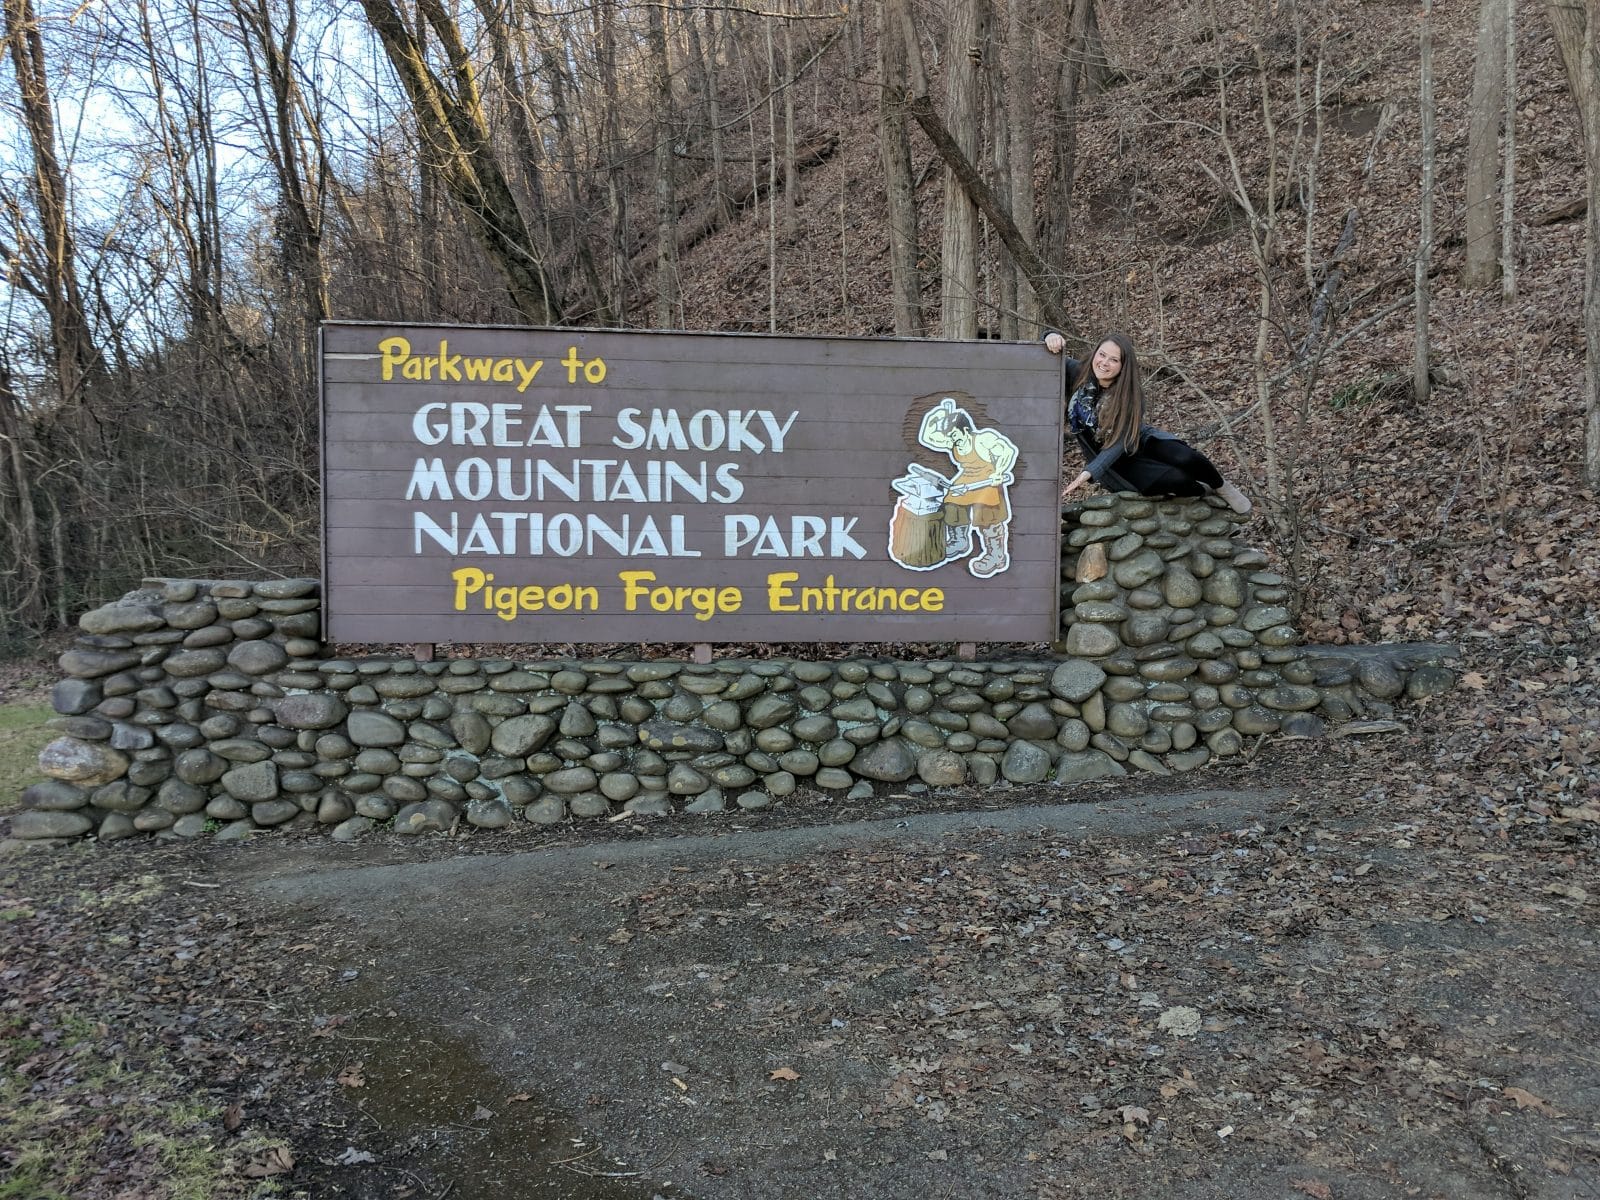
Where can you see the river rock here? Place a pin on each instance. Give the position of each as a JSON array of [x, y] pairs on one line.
[[518, 737], [1025, 763], [37, 824], [86, 763], [941, 768], [890, 761], [1087, 765], [368, 728]]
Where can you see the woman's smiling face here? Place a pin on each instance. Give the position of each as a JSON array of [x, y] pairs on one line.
[[1107, 363]]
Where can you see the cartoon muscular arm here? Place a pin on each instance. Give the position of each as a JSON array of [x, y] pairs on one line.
[[999, 451], [935, 431]]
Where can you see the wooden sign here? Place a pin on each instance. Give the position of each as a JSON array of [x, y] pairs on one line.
[[558, 485]]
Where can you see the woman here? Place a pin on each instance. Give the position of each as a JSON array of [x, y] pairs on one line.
[[1105, 412]]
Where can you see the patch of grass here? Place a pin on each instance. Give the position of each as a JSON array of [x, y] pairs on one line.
[[22, 736], [56, 1142]]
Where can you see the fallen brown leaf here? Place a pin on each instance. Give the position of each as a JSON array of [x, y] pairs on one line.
[[787, 1073]]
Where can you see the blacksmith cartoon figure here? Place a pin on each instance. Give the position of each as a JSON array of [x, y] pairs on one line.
[[937, 517]]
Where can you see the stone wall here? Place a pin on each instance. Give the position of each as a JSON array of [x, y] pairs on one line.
[[191, 708]]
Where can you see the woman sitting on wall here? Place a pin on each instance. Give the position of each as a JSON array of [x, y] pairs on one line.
[[1105, 412]]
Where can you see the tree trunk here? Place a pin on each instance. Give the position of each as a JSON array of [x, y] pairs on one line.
[[455, 138], [1591, 282], [791, 177], [1483, 130], [1005, 268], [894, 153], [1020, 25], [72, 347], [1508, 175], [1419, 369], [1576, 28], [666, 313], [958, 258], [616, 182], [1070, 87]]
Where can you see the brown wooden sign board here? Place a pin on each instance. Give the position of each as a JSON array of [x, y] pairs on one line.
[[557, 485]]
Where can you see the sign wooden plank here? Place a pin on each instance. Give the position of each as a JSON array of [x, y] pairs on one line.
[[486, 484]]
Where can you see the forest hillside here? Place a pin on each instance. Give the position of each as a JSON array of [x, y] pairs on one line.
[[190, 188]]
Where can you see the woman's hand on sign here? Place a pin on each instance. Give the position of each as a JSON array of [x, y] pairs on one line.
[[1082, 479], [1054, 343]]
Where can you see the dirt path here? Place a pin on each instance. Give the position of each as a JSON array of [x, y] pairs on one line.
[[1244, 993]]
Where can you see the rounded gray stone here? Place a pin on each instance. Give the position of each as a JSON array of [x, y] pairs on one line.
[[518, 737], [1092, 641], [72, 696], [37, 824], [252, 782], [1076, 680], [376, 806], [1025, 763], [724, 715], [619, 786], [115, 827], [86, 763], [834, 779], [941, 768], [274, 812], [257, 657], [588, 805], [779, 783], [1288, 697], [199, 766], [472, 731], [546, 810], [425, 816], [684, 780], [666, 735], [488, 814], [1035, 722], [367, 728], [1087, 765], [889, 761], [352, 829], [84, 662], [570, 781], [1430, 680], [225, 808], [767, 711], [311, 710], [120, 618], [711, 800], [121, 795], [180, 798], [55, 795]]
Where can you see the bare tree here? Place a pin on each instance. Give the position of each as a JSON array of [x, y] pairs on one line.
[[50, 264], [1577, 30], [958, 259], [1483, 133], [1419, 370], [456, 140], [894, 153], [666, 193]]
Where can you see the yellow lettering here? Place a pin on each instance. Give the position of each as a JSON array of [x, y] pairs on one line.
[[780, 596], [503, 368], [932, 599], [394, 350], [468, 580], [633, 586]]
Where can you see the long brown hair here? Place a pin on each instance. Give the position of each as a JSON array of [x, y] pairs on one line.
[[1121, 404]]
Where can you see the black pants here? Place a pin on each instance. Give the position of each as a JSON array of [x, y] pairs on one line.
[[1162, 466]]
